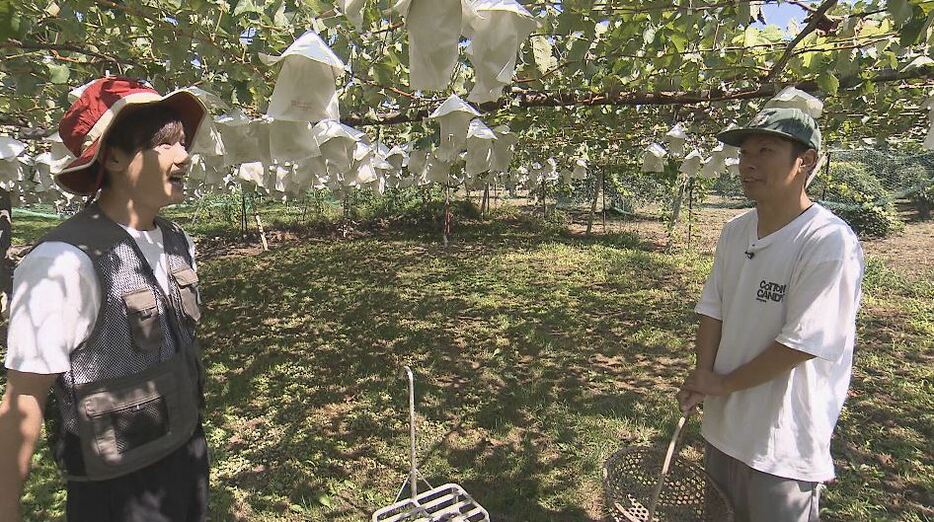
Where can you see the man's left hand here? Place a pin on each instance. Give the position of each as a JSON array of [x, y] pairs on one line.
[[708, 383]]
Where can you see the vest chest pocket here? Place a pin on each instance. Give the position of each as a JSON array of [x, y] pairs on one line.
[[143, 314], [187, 281]]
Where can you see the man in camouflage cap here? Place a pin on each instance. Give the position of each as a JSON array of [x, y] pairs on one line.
[[777, 327]]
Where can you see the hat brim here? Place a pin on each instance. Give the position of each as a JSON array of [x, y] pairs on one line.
[[735, 137], [80, 177]]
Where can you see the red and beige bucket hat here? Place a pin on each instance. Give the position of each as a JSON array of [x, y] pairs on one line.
[[84, 126]]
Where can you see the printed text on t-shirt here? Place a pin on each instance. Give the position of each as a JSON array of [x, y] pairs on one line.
[[769, 291]]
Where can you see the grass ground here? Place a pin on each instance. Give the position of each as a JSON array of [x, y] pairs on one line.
[[538, 351]]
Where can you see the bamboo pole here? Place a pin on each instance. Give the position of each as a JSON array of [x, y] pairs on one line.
[[242, 213], [262, 233], [690, 208], [603, 192], [446, 227], [593, 204]]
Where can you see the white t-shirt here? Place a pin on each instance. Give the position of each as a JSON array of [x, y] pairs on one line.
[[56, 298], [799, 286]]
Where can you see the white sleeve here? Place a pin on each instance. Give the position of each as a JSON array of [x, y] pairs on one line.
[[711, 300], [823, 298], [55, 301]]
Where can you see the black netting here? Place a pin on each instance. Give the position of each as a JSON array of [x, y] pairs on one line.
[[140, 424], [109, 352], [898, 173]]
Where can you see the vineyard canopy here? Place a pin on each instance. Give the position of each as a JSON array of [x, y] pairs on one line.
[[606, 74]]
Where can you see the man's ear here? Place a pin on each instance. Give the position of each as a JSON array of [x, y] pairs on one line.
[[808, 162], [116, 160]]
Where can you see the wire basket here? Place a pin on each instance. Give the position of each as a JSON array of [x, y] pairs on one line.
[[645, 484], [447, 503]]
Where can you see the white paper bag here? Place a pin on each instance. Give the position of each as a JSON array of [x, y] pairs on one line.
[[502, 149], [253, 173], [454, 116], [653, 159], [790, 97], [292, 141], [245, 140], [676, 138], [497, 29], [10, 147], [337, 143], [306, 87], [580, 169], [353, 10], [691, 163], [434, 28], [479, 148]]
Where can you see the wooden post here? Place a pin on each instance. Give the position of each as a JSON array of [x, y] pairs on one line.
[[319, 205], [544, 204], [262, 233], [603, 192], [198, 206], [242, 212], [446, 227], [676, 211], [593, 204], [690, 208]]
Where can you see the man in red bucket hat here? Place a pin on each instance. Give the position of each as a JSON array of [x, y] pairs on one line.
[[104, 312]]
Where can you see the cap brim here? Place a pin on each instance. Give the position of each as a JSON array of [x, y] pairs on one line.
[[735, 137], [80, 176]]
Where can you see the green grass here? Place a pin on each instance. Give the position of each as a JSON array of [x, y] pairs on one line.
[[536, 354]]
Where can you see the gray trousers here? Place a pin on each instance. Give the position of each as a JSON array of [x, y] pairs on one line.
[[760, 497]]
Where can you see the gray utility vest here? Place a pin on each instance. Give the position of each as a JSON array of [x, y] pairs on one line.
[[134, 392]]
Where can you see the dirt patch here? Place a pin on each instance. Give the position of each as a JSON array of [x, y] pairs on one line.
[[699, 232], [908, 252]]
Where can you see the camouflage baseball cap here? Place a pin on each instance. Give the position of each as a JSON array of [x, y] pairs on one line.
[[789, 123]]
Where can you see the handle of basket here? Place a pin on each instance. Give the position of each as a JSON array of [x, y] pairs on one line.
[[665, 467], [413, 472]]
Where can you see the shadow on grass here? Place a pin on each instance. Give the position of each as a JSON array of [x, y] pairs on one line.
[[537, 354], [507, 336]]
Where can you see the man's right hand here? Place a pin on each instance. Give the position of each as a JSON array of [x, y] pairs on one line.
[[688, 399], [705, 347]]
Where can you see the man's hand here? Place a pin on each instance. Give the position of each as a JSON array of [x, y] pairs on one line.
[[707, 382], [688, 399], [705, 346]]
